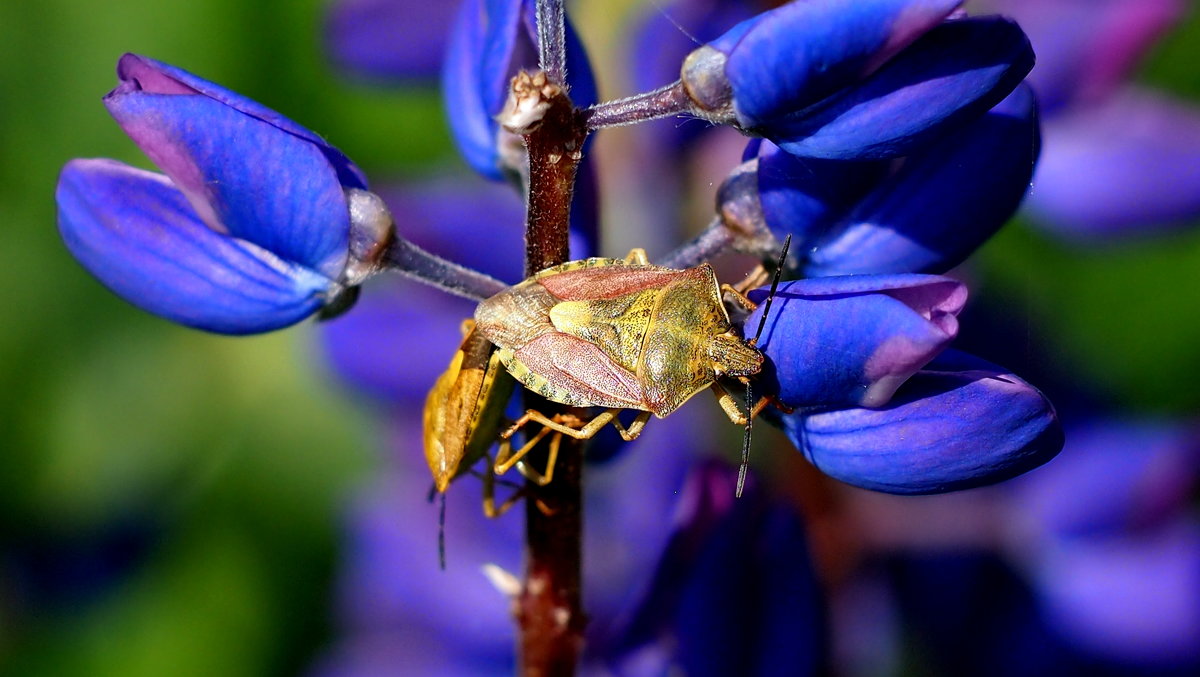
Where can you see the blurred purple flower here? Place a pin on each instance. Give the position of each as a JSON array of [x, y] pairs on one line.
[[657, 588], [391, 40], [1112, 543], [769, 620], [398, 610], [1118, 159]]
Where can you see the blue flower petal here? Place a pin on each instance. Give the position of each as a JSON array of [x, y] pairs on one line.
[[942, 203], [244, 175], [804, 197], [959, 423], [953, 73], [851, 341], [490, 41], [137, 233], [793, 56]]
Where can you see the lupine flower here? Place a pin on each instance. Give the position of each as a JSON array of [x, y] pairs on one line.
[[858, 360], [958, 423], [851, 341], [1086, 566], [463, 627], [925, 215], [1119, 158], [768, 621], [660, 597], [854, 81], [252, 228], [489, 43]]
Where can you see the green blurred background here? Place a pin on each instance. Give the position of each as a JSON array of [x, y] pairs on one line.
[[169, 499]]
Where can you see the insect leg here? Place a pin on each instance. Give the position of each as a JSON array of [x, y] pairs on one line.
[[637, 256], [586, 432], [490, 509], [728, 404], [543, 478], [507, 458], [634, 429], [733, 295]]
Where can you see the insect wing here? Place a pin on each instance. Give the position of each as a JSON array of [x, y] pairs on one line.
[[464, 408]]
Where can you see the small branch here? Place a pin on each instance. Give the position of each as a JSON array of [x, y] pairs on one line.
[[552, 40], [663, 102], [409, 260], [712, 242]]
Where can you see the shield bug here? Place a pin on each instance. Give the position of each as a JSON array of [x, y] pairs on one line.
[[619, 334]]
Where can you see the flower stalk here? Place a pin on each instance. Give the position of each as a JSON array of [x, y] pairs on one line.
[[550, 619]]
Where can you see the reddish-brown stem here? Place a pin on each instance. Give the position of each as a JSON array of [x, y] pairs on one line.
[[549, 610]]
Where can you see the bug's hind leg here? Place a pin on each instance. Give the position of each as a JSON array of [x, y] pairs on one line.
[[507, 458], [587, 431]]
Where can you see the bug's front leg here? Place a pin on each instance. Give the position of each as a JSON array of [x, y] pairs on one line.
[[729, 405]]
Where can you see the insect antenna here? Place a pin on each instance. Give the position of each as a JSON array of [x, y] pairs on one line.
[[762, 322], [442, 533], [741, 480]]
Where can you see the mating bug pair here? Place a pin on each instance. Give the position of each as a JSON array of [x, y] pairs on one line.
[[612, 333]]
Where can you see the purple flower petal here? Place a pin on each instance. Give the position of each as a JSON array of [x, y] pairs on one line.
[[141, 73], [768, 621], [1119, 168], [959, 423], [942, 203], [851, 341], [137, 233], [786, 59], [952, 74], [247, 171], [389, 39]]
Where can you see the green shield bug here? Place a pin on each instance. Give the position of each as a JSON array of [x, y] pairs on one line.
[[621, 334]]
